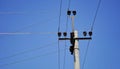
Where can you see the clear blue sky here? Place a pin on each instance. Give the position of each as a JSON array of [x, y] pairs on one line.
[[39, 49]]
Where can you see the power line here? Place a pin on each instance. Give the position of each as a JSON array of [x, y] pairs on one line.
[[69, 4], [60, 8], [59, 22], [28, 59], [17, 32], [85, 56], [27, 51], [58, 55], [67, 15], [64, 61], [94, 19], [31, 25]]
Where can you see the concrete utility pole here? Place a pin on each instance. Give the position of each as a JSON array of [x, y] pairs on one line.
[[74, 49], [76, 52]]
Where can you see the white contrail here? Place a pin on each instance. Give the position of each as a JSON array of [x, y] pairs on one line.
[[22, 33], [11, 12]]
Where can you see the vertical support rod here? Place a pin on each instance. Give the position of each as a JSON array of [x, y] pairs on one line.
[[72, 23], [76, 52]]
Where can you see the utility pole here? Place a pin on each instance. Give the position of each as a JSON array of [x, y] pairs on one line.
[[74, 48], [76, 52]]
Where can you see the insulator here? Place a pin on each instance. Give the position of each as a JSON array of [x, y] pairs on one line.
[[72, 34], [68, 12], [59, 34], [74, 12], [71, 49], [90, 33], [85, 33], [72, 40], [65, 34]]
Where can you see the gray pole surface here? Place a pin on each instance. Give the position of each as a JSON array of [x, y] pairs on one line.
[[76, 52]]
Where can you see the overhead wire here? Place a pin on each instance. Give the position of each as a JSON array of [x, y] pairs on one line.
[[59, 23], [67, 15], [58, 55], [94, 19], [17, 32], [92, 26], [85, 56], [27, 51], [60, 11], [31, 25], [28, 59], [30, 33], [64, 60]]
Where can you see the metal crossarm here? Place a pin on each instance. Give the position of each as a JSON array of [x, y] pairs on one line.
[[84, 38]]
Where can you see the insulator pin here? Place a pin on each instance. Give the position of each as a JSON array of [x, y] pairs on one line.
[[59, 34], [74, 12], [65, 34], [90, 33], [68, 12], [71, 49], [85, 33]]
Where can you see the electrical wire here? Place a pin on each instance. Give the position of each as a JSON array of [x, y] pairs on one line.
[[94, 19], [67, 16], [31, 25], [59, 23], [64, 60], [85, 56], [60, 8], [27, 51], [58, 55], [17, 32], [28, 59]]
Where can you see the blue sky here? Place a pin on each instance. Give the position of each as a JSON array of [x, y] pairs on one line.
[[38, 50]]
